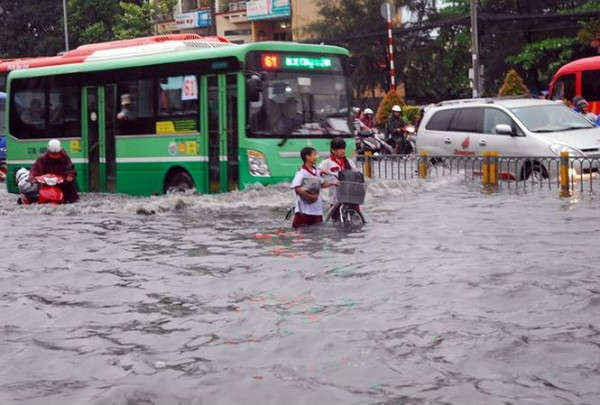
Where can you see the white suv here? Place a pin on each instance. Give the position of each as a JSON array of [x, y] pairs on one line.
[[512, 127]]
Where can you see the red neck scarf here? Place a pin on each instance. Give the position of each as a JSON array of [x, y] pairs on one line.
[[340, 162], [312, 171]]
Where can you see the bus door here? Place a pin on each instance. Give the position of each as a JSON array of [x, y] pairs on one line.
[[100, 103], [222, 145]]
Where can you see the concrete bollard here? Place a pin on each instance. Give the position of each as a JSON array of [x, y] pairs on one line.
[[367, 168], [565, 186], [423, 160]]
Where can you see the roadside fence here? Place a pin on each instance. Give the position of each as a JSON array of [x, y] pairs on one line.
[[565, 174]]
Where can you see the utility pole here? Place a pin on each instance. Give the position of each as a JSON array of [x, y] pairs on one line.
[[475, 50], [66, 29], [213, 17]]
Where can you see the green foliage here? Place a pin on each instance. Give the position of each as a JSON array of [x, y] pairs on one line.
[[92, 21], [411, 113], [343, 19], [545, 56], [31, 27], [513, 85], [384, 110], [137, 20]]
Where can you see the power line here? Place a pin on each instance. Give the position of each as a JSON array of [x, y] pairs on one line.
[[465, 20]]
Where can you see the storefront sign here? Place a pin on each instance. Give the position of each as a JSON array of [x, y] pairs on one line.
[[193, 20], [267, 9]]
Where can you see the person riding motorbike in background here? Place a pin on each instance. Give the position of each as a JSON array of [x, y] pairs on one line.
[[394, 130], [56, 161], [356, 122], [367, 118], [331, 167]]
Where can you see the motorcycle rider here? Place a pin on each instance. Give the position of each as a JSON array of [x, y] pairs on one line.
[[56, 161], [367, 118], [356, 122], [394, 130], [331, 166]]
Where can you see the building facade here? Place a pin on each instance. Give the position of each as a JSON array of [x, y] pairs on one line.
[[243, 21]]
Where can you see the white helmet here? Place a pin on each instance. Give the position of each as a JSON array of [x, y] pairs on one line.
[[356, 109], [368, 111], [54, 146], [22, 174], [397, 108]]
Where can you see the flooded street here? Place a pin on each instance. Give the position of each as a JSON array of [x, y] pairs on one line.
[[447, 296]]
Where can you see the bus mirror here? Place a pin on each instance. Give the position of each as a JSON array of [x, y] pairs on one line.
[[253, 88]]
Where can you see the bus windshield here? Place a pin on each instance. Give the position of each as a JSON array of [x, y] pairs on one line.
[[300, 104]]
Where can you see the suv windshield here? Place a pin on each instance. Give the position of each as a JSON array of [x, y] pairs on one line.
[[551, 118], [301, 104]]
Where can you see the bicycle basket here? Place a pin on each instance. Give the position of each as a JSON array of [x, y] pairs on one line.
[[351, 192]]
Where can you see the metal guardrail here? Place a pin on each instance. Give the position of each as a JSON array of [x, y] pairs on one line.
[[565, 174]]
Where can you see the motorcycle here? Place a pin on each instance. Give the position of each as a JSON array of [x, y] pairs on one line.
[[370, 140], [44, 190], [404, 143]]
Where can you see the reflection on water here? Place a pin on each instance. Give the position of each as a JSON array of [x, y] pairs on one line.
[[446, 296]]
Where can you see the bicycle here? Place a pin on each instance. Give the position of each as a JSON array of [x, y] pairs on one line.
[[346, 214]]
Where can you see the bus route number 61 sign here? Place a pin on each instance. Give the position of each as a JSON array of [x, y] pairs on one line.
[[190, 88]]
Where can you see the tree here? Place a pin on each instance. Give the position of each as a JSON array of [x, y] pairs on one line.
[[347, 18], [137, 20], [92, 21], [513, 85], [31, 27], [545, 57]]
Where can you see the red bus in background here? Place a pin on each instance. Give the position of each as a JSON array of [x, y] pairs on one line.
[[578, 78], [80, 54]]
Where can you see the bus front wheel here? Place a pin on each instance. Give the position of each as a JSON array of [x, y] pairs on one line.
[[179, 182]]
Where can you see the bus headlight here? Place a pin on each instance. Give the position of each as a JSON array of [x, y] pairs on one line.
[[258, 164], [557, 148]]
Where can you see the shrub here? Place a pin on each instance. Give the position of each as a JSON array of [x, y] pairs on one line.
[[513, 85], [411, 114]]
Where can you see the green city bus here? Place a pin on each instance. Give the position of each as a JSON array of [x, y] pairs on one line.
[[182, 114]]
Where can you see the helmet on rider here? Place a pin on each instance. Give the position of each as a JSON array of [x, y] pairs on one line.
[[356, 110], [397, 108], [368, 111], [54, 146], [338, 143], [22, 174]]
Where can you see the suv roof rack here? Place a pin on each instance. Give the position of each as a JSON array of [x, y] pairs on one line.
[[488, 100], [464, 101]]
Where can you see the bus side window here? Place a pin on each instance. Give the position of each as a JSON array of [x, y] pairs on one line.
[[64, 111], [178, 97], [564, 89], [136, 110], [590, 85]]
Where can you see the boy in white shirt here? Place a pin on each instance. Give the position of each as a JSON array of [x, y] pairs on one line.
[[307, 184]]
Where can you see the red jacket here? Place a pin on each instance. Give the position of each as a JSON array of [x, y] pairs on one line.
[[61, 167], [46, 165], [368, 121]]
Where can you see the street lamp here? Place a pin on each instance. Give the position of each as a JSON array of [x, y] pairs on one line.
[[66, 29]]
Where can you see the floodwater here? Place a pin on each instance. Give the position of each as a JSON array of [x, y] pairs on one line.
[[447, 296]]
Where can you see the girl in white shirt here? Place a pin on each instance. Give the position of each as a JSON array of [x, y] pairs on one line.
[[307, 184]]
